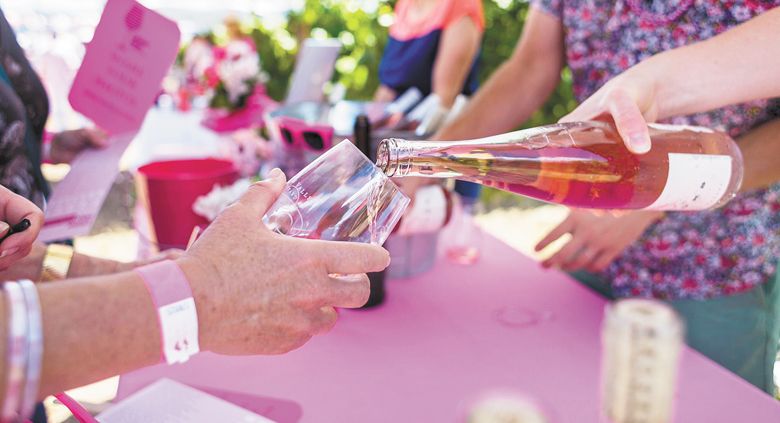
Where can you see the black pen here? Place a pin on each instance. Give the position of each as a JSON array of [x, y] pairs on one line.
[[15, 229]]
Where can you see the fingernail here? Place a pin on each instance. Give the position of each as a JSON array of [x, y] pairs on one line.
[[276, 173], [9, 252], [4, 227], [640, 143]]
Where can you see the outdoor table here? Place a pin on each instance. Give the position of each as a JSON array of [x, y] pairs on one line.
[[447, 337]]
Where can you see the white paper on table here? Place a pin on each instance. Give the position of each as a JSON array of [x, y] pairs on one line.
[[74, 205], [167, 401]]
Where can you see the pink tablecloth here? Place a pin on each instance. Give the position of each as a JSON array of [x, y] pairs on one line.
[[443, 339]]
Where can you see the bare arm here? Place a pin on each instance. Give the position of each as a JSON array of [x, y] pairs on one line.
[[458, 47], [737, 66], [740, 65], [256, 292], [81, 265], [760, 150], [519, 86], [100, 327]]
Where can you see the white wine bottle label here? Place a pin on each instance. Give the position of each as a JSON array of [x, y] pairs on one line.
[[695, 182], [428, 213]]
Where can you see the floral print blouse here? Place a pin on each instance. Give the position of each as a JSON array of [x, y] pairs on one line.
[[686, 255], [24, 108]]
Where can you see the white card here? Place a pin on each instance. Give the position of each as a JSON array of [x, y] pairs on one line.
[[76, 200], [167, 401], [179, 323], [313, 70]]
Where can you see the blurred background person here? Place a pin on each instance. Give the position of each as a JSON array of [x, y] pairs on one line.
[[433, 46], [24, 109]]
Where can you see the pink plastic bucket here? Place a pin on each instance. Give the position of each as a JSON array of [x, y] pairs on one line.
[[169, 188]]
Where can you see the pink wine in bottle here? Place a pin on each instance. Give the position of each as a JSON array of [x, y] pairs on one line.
[[584, 164]]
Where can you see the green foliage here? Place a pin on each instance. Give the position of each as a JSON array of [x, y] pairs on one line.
[[364, 36], [361, 34], [277, 49], [221, 99]]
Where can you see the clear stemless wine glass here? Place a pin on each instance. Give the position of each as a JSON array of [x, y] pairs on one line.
[[340, 196]]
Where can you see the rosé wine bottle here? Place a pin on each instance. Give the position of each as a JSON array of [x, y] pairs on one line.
[[584, 164]]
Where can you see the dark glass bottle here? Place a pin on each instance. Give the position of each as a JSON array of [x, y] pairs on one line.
[[362, 140]]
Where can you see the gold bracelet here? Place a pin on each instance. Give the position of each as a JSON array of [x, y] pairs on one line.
[[56, 262]]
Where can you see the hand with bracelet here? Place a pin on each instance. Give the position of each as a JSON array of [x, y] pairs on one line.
[[241, 289]]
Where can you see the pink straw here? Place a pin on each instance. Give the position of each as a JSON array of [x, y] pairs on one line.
[[79, 412]]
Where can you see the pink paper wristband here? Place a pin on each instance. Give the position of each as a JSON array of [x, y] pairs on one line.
[[178, 319]]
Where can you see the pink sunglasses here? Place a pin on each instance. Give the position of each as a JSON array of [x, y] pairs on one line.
[[298, 133]]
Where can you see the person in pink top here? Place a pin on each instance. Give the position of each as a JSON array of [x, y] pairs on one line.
[[433, 46]]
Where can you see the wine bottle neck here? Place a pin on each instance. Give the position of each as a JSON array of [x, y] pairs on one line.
[[386, 157], [394, 157], [398, 158]]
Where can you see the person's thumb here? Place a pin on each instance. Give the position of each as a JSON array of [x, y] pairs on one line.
[[261, 195]]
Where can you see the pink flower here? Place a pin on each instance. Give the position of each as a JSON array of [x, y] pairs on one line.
[[690, 284], [219, 53], [211, 76], [728, 262]]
